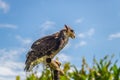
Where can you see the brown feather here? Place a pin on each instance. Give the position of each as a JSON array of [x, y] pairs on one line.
[[47, 46]]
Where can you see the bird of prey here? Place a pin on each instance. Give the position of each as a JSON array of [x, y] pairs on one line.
[[47, 47]]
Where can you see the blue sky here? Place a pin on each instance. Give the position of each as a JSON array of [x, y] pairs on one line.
[[96, 24]]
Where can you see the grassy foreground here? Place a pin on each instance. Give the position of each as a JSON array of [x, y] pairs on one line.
[[103, 69]]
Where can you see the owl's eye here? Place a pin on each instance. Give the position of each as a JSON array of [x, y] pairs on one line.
[[72, 30]]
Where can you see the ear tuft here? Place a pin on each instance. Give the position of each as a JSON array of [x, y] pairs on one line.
[[66, 27]]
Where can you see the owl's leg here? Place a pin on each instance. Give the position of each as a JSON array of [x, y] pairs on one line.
[[55, 65]]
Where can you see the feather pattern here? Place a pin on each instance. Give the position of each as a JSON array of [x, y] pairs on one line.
[[47, 46]]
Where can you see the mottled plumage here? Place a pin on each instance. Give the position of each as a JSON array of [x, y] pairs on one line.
[[47, 47]]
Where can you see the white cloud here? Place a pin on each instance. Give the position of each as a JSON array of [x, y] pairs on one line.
[[6, 72], [78, 21], [24, 41], [81, 44], [11, 54], [7, 78], [114, 36], [4, 6], [81, 35], [14, 65], [47, 25], [91, 32], [63, 57], [10, 66], [11, 26], [11, 69], [87, 34]]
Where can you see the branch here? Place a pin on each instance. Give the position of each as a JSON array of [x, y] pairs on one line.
[[55, 66], [56, 75]]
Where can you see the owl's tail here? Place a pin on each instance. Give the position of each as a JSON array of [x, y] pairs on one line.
[[32, 60]]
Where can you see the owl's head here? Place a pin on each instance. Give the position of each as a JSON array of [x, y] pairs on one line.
[[69, 32]]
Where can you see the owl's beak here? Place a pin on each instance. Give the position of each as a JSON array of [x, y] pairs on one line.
[[73, 36]]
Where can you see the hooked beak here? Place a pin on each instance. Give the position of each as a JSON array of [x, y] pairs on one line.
[[73, 36]]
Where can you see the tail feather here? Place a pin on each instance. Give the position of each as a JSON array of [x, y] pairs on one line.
[[27, 68], [32, 60]]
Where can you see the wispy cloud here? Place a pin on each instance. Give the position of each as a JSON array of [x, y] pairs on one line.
[[47, 25], [114, 36], [10, 54], [10, 66], [91, 32], [85, 36], [81, 44], [9, 70], [78, 21], [24, 41], [11, 26], [4, 6], [81, 35], [63, 57]]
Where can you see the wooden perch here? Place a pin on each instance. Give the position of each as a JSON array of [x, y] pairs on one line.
[[55, 66], [56, 75]]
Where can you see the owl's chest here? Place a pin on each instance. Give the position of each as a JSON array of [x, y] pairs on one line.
[[61, 46]]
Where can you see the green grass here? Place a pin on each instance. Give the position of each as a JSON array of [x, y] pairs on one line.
[[103, 69]]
